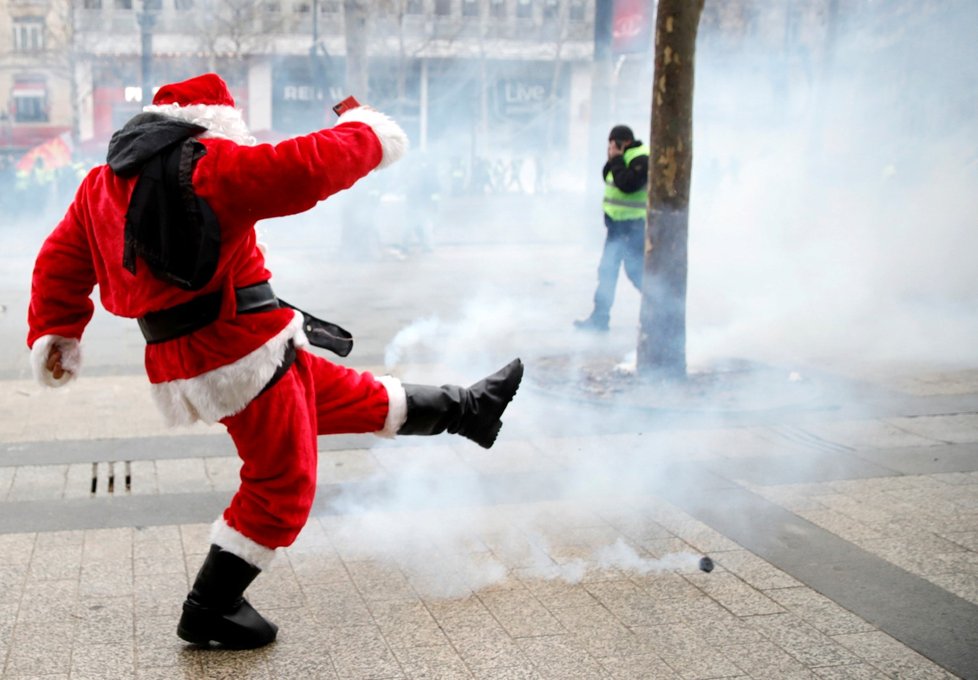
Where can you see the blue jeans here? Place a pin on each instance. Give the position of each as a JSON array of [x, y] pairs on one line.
[[624, 244]]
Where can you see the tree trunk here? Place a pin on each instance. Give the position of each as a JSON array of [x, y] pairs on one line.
[[662, 336]]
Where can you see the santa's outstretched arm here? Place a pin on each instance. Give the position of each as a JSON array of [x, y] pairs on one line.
[[274, 180]]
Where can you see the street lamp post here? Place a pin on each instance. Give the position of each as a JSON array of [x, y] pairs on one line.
[[602, 92], [146, 20], [315, 27]]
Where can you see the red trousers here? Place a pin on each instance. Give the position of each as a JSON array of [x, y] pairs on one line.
[[275, 436]]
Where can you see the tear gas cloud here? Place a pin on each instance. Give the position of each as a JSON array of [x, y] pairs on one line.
[[837, 223], [832, 224]]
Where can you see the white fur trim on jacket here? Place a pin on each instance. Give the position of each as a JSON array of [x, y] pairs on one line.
[[393, 140], [226, 390], [397, 406], [71, 359], [236, 543], [225, 122]]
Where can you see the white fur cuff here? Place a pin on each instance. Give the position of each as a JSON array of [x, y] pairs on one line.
[[226, 390], [225, 122], [71, 359], [396, 408], [236, 543], [393, 140]]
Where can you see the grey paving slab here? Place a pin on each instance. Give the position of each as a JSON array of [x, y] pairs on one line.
[[148, 447], [119, 511], [814, 467], [957, 428], [917, 460]]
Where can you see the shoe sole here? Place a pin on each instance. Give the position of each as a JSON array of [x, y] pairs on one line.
[[208, 639], [493, 432]]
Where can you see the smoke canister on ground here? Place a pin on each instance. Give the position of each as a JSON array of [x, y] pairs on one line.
[[706, 564]]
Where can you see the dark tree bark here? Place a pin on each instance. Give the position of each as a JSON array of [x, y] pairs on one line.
[[662, 336]]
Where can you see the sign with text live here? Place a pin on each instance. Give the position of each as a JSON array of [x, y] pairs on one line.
[[521, 97]]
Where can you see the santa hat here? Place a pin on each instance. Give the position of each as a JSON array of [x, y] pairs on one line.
[[204, 100], [208, 89]]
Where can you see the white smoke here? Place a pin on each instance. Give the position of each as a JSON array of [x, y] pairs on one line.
[[826, 232]]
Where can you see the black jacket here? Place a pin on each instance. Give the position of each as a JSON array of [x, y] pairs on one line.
[[631, 177]]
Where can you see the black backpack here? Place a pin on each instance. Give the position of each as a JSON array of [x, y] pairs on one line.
[[171, 228]]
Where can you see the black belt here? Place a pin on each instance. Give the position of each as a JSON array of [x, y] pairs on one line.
[[184, 319]]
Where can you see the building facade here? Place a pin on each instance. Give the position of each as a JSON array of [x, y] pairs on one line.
[[35, 74], [482, 76]]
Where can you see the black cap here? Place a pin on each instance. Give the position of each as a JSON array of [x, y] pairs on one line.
[[621, 133]]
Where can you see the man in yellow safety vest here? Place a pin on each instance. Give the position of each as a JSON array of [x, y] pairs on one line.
[[625, 197]]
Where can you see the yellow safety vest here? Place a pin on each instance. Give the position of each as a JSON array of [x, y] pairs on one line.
[[621, 206]]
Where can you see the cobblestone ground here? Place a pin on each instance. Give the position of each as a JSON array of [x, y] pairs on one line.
[[845, 533]]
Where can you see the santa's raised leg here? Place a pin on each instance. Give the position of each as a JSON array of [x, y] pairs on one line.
[[276, 439]]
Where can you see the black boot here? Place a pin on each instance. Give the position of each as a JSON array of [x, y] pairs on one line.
[[473, 412], [215, 610]]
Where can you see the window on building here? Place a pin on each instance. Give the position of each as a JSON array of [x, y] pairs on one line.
[[183, 5], [524, 9], [30, 102], [414, 7], [122, 4], [497, 8], [470, 8], [92, 4], [152, 5], [28, 34], [273, 7], [443, 7], [577, 11], [302, 8], [551, 9]]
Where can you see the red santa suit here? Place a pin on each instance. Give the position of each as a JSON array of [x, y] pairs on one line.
[[221, 372]]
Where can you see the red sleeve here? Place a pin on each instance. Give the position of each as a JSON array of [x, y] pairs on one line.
[[62, 285], [264, 181]]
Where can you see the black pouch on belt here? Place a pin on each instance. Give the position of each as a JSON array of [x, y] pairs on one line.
[[324, 334]]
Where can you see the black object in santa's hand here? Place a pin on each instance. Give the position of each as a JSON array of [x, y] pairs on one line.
[[345, 105]]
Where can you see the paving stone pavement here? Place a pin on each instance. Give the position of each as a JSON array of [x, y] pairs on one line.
[[845, 538]]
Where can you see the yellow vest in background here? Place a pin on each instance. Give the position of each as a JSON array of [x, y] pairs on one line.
[[621, 206]]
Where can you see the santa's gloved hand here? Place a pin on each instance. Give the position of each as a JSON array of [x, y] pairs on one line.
[[55, 360]]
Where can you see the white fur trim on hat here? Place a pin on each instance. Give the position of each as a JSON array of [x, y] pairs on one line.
[[226, 390], [396, 408], [225, 122], [393, 140], [71, 359], [236, 543]]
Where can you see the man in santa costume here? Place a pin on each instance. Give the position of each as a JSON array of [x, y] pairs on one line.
[[166, 229]]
